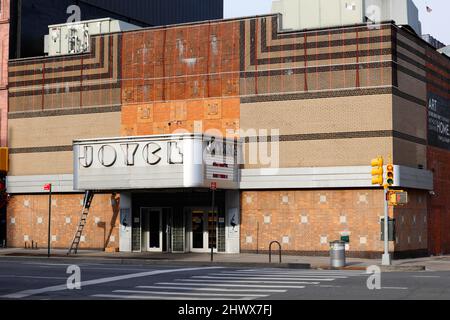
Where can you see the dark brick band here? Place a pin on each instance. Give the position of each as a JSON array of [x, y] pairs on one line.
[[41, 149], [338, 136], [64, 112]]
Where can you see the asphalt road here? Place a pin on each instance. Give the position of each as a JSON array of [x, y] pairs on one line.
[[47, 280]]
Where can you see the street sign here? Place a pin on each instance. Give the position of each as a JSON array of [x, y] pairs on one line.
[[48, 187], [213, 185]]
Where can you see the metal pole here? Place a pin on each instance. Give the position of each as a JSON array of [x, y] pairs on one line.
[[213, 200], [49, 219], [386, 260]]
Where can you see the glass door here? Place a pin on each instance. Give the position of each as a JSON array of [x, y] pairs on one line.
[[203, 230], [198, 230], [152, 235]]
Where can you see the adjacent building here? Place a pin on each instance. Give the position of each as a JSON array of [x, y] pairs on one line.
[[138, 120], [4, 47]]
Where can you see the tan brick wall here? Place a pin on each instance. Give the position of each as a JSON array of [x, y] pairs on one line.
[[28, 216], [54, 132], [343, 114], [326, 153], [311, 219], [409, 118], [44, 163], [410, 154]]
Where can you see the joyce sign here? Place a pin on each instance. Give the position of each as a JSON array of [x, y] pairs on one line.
[[154, 162], [438, 121]]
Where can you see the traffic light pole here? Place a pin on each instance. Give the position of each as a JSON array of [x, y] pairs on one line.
[[386, 260]]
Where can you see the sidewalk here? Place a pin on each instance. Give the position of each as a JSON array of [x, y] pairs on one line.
[[238, 260]]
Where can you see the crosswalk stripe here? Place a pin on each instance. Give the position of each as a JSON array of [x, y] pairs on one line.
[[263, 278], [231, 285], [192, 294], [248, 281], [137, 297], [274, 275], [339, 273], [176, 287]]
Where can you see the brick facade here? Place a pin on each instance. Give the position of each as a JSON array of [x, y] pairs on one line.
[[339, 97], [27, 221], [306, 221]]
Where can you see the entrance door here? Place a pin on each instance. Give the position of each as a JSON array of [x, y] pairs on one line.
[[152, 232], [203, 230]]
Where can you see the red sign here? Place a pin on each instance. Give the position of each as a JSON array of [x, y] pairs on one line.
[[213, 185], [48, 187]]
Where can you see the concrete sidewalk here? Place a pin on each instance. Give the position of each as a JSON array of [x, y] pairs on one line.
[[239, 260]]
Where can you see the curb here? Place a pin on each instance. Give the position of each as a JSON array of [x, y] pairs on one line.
[[131, 261], [382, 268]]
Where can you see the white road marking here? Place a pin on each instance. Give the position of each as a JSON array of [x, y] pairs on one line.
[[32, 277], [340, 274], [394, 288], [248, 281], [135, 297], [230, 285], [27, 293], [275, 275], [192, 294], [176, 287], [46, 264], [264, 278], [426, 276]]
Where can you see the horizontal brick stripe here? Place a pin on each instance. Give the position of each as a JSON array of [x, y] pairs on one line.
[[279, 35], [41, 149], [64, 112], [315, 44], [332, 94], [115, 85], [318, 69], [338, 136], [317, 95], [51, 70]]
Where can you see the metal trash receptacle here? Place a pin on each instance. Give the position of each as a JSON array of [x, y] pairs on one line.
[[337, 254]]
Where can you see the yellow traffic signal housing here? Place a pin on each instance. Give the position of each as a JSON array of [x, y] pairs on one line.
[[390, 175], [398, 198], [377, 171], [4, 160]]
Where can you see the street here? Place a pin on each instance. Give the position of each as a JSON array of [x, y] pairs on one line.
[[47, 280]]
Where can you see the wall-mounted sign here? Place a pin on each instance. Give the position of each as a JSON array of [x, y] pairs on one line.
[[155, 162], [438, 121]]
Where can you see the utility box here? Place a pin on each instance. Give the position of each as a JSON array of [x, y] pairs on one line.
[[74, 38], [391, 229]]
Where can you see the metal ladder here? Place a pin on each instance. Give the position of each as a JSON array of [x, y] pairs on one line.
[[88, 196]]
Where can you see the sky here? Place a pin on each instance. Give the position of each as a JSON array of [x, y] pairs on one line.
[[436, 23]]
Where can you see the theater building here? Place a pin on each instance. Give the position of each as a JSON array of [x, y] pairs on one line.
[[305, 111]]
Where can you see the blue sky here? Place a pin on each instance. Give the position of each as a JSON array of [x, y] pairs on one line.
[[436, 23]]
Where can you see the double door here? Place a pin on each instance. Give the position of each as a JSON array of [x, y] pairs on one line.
[[156, 230]]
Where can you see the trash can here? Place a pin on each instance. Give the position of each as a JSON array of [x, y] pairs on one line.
[[337, 254]]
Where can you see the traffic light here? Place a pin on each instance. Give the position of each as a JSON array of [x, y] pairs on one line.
[[390, 175], [397, 198], [377, 171]]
